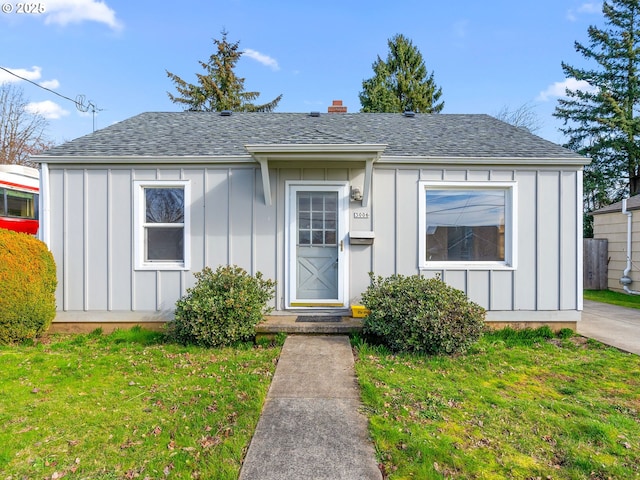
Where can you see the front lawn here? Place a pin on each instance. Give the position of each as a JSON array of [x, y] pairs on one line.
[[518, 406], [126, 406]]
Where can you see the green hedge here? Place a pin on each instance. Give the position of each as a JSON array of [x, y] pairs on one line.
[[223, 308], [27, 287], [415, 314]]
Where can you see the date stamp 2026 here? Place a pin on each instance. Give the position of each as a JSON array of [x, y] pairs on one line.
[[23, 8]]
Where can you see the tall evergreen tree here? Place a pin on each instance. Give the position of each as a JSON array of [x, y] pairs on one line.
[[401, 83], [219, 88], [601, 122]]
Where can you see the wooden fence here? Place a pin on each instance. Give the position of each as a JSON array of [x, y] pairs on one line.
[[595, 266]]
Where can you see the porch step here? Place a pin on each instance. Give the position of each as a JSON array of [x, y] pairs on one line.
[[287, 324]]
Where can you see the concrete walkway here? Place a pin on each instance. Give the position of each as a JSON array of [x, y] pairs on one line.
[[311, 426], [611, 325]]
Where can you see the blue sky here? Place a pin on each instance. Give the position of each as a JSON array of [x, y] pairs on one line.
[[485, 55]]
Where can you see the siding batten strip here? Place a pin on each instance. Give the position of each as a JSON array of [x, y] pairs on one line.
[[132, 295], [109, 273], [44, 232], [396, 202], [512, 273], [281, 254], [85, 236], [205, 217], [560, 241], [536, 228], [579, 235], [158, 291], [254, 194], [466, 282], [186, 255], [514, 178], [229, 210], [372, 209], [490, 287], [277, 298], [65, 240]]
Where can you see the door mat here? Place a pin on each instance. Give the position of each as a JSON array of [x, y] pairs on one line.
[[319, 318]]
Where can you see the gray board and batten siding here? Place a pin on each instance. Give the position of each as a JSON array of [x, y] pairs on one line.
[[240, 170]]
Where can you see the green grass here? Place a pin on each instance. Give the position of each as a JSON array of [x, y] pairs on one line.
[[128, 405], [614, 298], [519, 405]]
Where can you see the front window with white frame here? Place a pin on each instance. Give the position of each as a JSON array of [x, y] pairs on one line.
[[467, 225], [162, 225]]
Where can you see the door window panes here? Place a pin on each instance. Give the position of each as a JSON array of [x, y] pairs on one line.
[[317, 214]]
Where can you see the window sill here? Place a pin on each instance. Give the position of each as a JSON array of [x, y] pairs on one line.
[[161, 266], [466, 266]]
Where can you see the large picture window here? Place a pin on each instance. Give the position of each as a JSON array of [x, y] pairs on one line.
[[163, 221], [467, 224]]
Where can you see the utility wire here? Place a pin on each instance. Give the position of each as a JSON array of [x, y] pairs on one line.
[[80, 105]]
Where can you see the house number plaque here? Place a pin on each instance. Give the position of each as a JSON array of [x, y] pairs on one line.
[[361, 214]]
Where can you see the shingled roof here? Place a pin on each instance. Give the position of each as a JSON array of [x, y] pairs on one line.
[[633, 203], [197, 134]]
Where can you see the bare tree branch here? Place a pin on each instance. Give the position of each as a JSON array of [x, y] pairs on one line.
[[22, 133], [523, 116]]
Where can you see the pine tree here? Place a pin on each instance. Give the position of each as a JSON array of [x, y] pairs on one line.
[[601, 121], [401, 83], [219, 88]]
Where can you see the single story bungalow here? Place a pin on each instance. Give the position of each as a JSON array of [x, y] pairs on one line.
[[316, 202]]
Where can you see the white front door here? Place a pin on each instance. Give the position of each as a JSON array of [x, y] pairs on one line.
[[317, 216]]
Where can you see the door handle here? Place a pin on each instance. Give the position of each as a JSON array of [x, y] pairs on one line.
[[342, 245]]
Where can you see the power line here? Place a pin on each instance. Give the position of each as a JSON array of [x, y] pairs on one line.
[[79, 102]]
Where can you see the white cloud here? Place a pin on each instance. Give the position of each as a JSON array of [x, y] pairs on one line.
[[591, 7], [50, 84], [47, 109], [30, 74], [64, 12], [588, 8], [558, 89], [33, 74], [262, 58]]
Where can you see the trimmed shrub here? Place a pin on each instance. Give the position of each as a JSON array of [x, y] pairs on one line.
[[415, 314], [27, 287], [223, 308]]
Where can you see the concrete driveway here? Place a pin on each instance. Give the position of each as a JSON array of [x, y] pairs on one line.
[[612, 325]]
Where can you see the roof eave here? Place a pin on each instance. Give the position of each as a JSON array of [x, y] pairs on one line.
[[141, 159], [309, 152], [604, 210], [500, 161]]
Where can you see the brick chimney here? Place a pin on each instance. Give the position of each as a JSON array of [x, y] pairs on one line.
[[337, 107]]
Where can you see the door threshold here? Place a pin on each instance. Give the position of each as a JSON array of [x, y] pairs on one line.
[[317, 304], [345, 312], [273, 324]]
